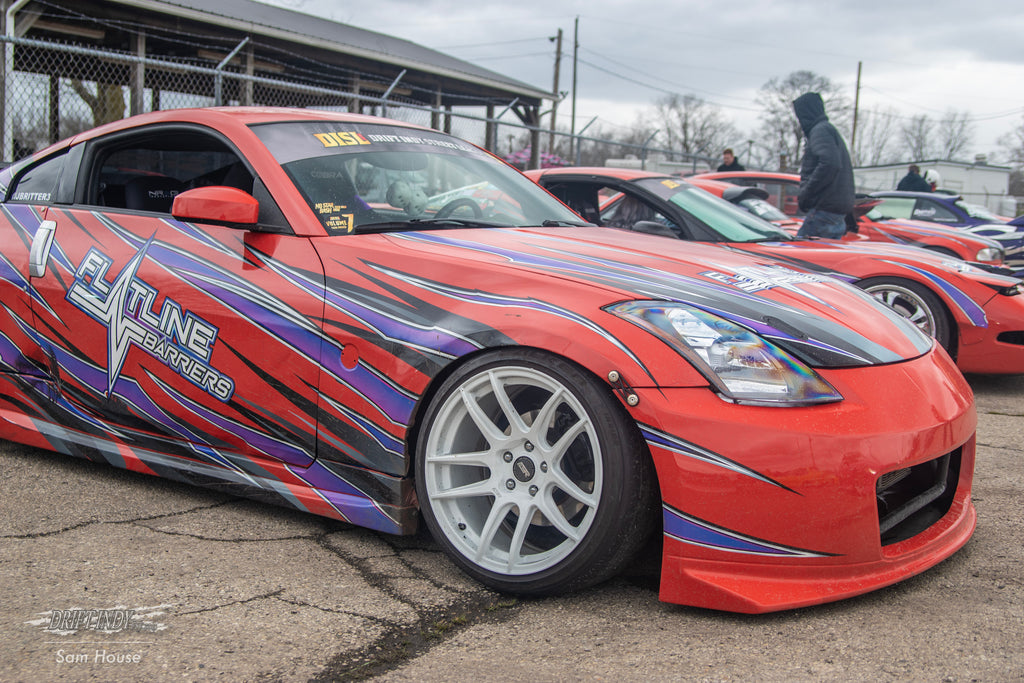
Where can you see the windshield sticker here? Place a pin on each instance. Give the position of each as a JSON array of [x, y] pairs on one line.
[[293, 141], [334, 218], [341, 139], [670, 184]]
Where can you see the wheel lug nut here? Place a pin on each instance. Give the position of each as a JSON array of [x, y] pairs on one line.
[[507, 456], [543, 467], [533, 490], [510, 484], [528, 447]]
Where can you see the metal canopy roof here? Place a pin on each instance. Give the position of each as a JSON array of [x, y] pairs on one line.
[[308, 37]]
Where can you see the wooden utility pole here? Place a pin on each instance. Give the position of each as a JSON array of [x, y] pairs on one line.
[[575, 55], [554, 91], [856, 106]]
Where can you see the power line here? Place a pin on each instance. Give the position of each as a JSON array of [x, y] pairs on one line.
[[660, 89], [488, 44]]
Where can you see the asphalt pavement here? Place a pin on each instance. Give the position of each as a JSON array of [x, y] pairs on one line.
[[109, 575]]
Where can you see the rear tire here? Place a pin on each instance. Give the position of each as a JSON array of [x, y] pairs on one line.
[[531, 476]]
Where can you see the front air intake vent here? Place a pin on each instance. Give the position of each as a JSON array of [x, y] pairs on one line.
[[912, 499], [1014, 337]]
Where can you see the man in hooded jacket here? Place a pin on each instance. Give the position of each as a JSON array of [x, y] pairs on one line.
[[826, 173]]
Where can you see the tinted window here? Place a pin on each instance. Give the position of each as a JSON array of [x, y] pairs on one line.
[[928, 210], [39, 183], [147, 172]]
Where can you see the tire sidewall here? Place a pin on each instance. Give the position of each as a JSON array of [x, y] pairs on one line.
[[623, 491]]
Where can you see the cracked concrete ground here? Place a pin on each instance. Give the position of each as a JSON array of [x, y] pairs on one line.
[[228, 589]]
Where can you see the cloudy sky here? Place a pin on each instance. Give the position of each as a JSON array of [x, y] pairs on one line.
[[917, 57]]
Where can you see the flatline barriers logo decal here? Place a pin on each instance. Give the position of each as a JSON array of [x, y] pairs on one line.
[[759, 278], [126, 305]]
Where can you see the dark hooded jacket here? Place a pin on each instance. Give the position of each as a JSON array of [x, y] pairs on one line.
[[826, 173]]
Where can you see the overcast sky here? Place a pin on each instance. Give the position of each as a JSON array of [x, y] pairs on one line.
[[917, 57]]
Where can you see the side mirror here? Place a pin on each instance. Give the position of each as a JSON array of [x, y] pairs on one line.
[[216, 204]]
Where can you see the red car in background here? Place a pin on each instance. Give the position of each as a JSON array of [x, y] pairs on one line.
[[977, 315], [782, 188]]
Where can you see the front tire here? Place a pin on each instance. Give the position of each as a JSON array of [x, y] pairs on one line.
[[530, 475], [914, 302]]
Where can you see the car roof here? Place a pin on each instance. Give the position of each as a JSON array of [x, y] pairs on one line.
[[606, 171], [219, 117], [766, 175], [923, 195]]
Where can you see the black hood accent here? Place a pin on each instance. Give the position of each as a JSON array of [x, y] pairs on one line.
[[810, 109]]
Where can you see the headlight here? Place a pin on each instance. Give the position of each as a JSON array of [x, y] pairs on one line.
[[990, 255], [741, 365], [1013, 290]]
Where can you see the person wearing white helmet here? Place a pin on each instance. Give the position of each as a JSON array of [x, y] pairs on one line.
[[932, 177]]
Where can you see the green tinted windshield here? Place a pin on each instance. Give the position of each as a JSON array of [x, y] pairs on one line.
[[366, 177], [731, 222]]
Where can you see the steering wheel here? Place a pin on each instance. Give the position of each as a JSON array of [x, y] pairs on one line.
[[455, 204]]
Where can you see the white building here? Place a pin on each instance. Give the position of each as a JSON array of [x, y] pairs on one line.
[[979, 182]]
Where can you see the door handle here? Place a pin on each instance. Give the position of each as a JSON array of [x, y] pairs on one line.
[[40, 252]]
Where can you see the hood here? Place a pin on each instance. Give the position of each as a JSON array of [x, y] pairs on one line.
[[822, 321], [809, 109]]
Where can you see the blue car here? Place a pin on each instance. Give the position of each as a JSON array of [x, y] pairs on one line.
[[936, 207], [952, 211]]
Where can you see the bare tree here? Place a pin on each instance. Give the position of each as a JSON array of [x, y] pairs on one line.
[[779, 126], [876, 138], [106, 102], [1012, 144], [693, 126], [955, 133], [916, 135]]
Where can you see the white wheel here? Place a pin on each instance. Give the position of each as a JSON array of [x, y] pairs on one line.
[[914, 302], [528, 471]]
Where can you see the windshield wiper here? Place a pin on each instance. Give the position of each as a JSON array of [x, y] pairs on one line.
[[551, 223], [425, 224], [781, 237]]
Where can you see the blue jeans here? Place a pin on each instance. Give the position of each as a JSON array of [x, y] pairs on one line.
[[818, 223]]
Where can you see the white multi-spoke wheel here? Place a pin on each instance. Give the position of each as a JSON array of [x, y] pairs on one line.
[[530, 475], [914, 302]]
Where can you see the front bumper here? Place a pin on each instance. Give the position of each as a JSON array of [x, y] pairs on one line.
[[776, 508], [999, 347]]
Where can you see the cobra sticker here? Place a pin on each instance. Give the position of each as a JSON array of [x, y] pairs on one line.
[[126, 305]]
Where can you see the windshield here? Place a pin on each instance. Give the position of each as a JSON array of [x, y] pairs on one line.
[[370, 177], [731, 222], [979, 211]]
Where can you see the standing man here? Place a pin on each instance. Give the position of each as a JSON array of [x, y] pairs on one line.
[[729, 162], [826, 173], [913, 182]]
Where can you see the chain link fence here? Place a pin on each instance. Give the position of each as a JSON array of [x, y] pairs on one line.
[[53, 90]]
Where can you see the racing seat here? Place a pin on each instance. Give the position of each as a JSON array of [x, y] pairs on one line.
[[151, 193], [580, 198]]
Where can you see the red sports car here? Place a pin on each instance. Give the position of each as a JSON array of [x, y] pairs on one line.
[[378, 322], [977, 315], [782, 191]]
